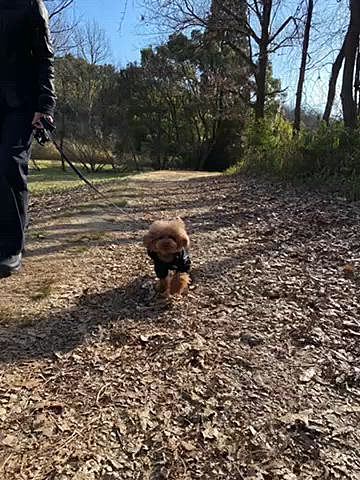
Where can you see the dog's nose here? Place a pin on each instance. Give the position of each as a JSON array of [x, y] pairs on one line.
[[167, 243]]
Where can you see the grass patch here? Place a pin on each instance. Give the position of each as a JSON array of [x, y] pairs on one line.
[[79, 250], [43, 290], [89, 237], [36, 235], [52, 179], [93, 208]]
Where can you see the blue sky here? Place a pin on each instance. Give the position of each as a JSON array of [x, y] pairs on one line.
[[122, 22]]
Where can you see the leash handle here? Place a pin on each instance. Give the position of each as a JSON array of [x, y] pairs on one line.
[[48, 126], [43, 135]]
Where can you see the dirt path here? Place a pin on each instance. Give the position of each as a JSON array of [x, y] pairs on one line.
[[255, 375]]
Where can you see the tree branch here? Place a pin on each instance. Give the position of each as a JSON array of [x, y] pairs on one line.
[[280, 29]]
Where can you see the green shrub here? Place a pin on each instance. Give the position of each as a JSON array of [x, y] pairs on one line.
[[328, 155]]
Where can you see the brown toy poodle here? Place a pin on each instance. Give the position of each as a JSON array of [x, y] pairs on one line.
[[167, 244]]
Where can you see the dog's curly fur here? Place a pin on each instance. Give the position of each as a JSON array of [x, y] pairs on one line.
[[166, 238]]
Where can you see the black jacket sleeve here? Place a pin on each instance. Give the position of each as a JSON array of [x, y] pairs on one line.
[[43, 53]]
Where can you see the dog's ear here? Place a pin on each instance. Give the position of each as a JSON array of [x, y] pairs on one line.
[[180, 221], [184, 240], [147, 240]]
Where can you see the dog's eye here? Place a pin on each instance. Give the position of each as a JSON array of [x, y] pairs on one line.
[[167, 237]]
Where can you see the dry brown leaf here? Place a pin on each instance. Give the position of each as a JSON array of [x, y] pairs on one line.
[[349, 270], [308, 375], [144, 418], [189, 447], [222, 363], [10, 440], [210, 432]]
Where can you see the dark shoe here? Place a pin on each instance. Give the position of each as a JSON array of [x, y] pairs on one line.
[[10, 264]]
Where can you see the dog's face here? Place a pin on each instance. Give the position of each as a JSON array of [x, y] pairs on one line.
[[167, 237]]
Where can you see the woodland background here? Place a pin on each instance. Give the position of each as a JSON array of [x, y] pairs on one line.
[[206, 98]]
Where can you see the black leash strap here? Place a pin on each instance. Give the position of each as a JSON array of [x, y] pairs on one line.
[[44, 135]]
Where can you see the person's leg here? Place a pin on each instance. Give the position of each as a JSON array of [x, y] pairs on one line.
[[15, 146]]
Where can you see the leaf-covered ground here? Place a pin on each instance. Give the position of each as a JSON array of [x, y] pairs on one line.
[[254, 375]]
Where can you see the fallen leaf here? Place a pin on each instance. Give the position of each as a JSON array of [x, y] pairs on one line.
[[293, 418], [308, 375], [144, 417], [210, 433], [189, 447], [348, 270], [10, 441]]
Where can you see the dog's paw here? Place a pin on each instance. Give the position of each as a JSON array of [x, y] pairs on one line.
[[179, 284]]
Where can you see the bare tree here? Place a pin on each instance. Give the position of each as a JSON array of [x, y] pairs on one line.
[[92, 43], [269, 31], [335, 71], [62, 26], [57, 7], [304, 57], [351, 48], [177, 15]]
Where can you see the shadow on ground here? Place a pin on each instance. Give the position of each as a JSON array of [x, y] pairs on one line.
[[63, 331]]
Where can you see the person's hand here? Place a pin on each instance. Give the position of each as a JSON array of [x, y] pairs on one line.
[[36, 121]]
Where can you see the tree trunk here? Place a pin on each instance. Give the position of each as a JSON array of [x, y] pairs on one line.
[[357, 80], [351, 45], [332, 83], [261, 73], [62, 138], [301, 81], [158, 143], [63, 123]]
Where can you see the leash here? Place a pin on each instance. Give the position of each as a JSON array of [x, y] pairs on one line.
[[45, 135]]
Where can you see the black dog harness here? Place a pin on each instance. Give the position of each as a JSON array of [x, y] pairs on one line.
[[181, 263]]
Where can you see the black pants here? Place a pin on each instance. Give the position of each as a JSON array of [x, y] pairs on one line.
[[15, 147]]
